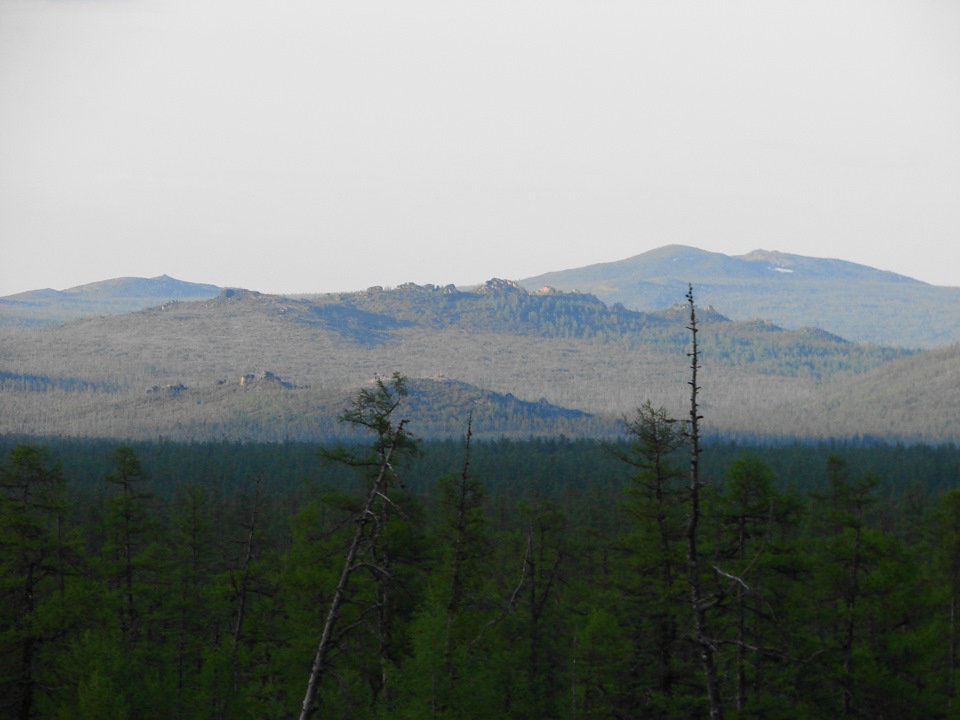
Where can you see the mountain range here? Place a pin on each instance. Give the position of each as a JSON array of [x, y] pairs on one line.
[[853, 301], [856, 302], [241, 365]]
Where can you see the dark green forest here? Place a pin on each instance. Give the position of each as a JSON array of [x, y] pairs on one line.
[[548, 578]]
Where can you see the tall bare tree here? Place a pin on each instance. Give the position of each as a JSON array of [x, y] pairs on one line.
[[698, 598]]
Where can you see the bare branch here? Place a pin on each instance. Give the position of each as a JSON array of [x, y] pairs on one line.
[[512, 602], [732, 577]]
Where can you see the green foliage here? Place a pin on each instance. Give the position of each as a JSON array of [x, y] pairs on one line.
[[538, 579], [34, 562], [375, 551]]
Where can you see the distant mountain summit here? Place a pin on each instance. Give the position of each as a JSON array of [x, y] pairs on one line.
[[854, 301], [135, 287], [107, 297]]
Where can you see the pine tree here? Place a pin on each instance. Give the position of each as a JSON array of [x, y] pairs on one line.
[[127, 526], [443, 673], [32, 574], [865, 580], [649, 583]]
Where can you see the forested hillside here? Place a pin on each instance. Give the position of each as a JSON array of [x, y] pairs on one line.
[[261, 367], [500, 579]]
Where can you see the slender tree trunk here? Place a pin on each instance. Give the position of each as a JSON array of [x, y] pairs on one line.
[[27, 682], [952, 663], [349, 565], [247, 562], [741, 651], [697, 600], [850, 627], [384, 620], [28, 651], [573, 679], [333, 614], [533, 661], [667, 625], [951, 558], [459, 552], [741, 624], [953, 570]]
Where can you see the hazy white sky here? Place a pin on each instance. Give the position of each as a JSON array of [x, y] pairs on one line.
[[308, 146]]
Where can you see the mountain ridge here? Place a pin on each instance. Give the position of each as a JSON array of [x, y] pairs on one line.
[[104, 297], [854, 301], [547, 362], [540, 358]]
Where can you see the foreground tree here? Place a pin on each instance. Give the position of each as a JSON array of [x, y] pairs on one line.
[[32, 574], [373, 409], [649, 598], [445, 670], [866, 599], [698, 595], [671, 560], [127, 526], [751, 521], [946, 567]]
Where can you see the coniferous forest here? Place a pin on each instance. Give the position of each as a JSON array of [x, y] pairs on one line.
[[658, 576], [538, 579]]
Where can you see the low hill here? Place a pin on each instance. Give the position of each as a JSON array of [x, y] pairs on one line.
[[919, 392], [854, 301], [108, 297]]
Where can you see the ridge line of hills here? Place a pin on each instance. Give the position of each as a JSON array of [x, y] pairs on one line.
[[106, 297], [533, 363], [856, 302]]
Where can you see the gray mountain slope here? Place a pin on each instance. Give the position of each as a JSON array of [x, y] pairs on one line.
[[854, 301], [910, 399], [108, 297], [262, 367]]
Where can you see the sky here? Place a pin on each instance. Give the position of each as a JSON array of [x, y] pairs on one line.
[[322, 146]]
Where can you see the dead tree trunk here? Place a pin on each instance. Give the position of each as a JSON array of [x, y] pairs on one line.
[[698, 600], [248, 556]]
